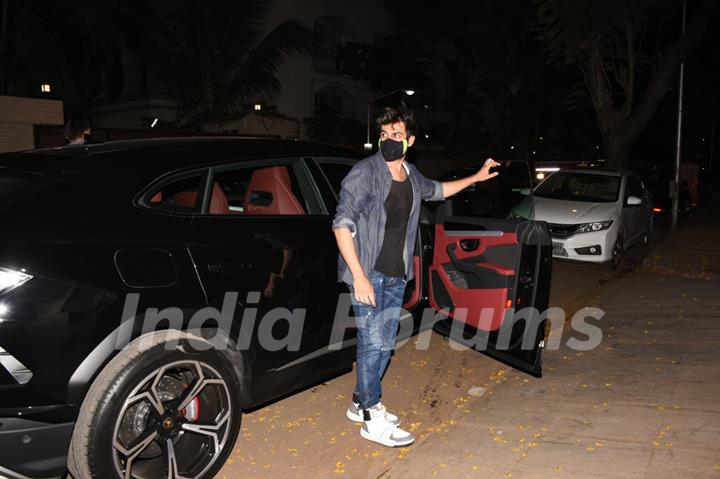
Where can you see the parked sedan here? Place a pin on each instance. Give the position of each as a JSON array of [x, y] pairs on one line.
[[593, 215], [150, 291]]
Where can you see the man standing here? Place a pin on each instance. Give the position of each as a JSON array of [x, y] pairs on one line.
[[77, 132], [375, 227]]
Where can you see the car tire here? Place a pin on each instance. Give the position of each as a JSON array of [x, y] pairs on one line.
[[167, 405], [617, 254], [647, 234]]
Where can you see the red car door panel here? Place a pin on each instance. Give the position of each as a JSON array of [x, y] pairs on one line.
[[482, 272]]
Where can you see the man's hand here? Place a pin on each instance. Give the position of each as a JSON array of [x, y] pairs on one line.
[[452, 187], [364, 292], [484, 172]]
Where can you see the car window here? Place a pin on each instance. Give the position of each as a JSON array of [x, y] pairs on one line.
[[571, 186], [635, 187], [335, 173], [181, 195], [515, 175], [260, 189]]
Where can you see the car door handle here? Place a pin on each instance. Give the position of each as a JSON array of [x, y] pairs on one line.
[[469, 244]]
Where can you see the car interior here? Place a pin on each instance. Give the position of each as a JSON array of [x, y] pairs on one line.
[[269, 191]]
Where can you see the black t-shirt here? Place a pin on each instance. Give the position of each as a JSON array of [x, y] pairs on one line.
[[397, 207]]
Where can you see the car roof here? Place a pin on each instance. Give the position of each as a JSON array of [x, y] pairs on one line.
[[257, 144], [77, 157], [595, 171]]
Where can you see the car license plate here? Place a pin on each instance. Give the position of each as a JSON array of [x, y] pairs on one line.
[[558, 249]]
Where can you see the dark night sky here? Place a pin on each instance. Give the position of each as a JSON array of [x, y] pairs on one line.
[[701, 107]]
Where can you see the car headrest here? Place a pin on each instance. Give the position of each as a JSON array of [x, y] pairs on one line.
[[270, 193]]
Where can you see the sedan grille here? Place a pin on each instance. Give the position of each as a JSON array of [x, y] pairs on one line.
[[561, 231]]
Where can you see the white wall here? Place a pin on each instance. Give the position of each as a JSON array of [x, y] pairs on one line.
[[17, 117], [299, 77]]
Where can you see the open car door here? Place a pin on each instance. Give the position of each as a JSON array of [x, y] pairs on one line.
[[491, 277]]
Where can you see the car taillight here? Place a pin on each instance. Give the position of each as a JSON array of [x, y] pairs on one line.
[[11, 279]]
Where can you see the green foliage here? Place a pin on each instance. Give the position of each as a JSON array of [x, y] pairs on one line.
[[601, 37], [214, 57], [627, 56]]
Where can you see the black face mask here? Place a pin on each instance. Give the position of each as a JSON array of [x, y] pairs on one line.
[[393, 150]]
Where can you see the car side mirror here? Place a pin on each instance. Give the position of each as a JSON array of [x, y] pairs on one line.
[[522, 191], [634, 201]]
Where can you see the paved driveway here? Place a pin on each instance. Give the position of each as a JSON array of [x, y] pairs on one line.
[[642, 404]]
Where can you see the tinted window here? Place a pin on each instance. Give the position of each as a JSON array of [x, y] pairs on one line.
[[588, 187], [258, 190], [335, 173], [494, 198], [515, 175], [179, 195], [635, 187]]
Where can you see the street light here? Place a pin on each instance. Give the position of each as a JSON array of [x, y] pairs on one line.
[[368, 145]]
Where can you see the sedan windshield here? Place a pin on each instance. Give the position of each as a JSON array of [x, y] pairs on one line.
[[588, 187]]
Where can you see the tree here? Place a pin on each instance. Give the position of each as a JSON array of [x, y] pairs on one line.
[[74, 45], [477, 65], [214, 58], [608, 41]]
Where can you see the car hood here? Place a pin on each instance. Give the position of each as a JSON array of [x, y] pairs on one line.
[[565, 212]]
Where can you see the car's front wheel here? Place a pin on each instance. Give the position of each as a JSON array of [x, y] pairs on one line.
[[162, 408], [617, 253], [647, 234]]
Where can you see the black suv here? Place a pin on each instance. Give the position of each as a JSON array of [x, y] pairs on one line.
[[151, 290]]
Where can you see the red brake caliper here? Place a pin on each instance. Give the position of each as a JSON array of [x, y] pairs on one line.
[[191, 412]]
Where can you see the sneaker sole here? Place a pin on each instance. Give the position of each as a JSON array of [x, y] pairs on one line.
[[399, 443]]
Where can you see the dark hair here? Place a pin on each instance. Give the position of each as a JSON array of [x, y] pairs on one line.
[[76, 128], [390, 115]]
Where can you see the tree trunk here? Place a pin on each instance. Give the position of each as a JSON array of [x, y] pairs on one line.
[[622, 127], [617, 150]]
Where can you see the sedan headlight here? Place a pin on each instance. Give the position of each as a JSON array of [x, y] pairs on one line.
[[596, 226], [11, 279]]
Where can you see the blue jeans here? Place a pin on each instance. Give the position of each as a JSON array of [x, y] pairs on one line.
[[376, 332]]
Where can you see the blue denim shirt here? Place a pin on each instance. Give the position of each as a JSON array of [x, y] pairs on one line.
[[361, 209]]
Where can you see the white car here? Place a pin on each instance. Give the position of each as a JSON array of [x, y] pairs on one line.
[[593, 215]]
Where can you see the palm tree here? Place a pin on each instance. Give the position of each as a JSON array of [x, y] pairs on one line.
[[213, 59]]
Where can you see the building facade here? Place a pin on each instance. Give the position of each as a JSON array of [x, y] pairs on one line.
[[310, 84]]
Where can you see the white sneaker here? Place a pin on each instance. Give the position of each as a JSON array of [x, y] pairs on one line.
[[354, 413], [378, 429]]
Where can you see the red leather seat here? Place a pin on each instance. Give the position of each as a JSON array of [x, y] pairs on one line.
[[187, 199], [218, 201], [274, 181]]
